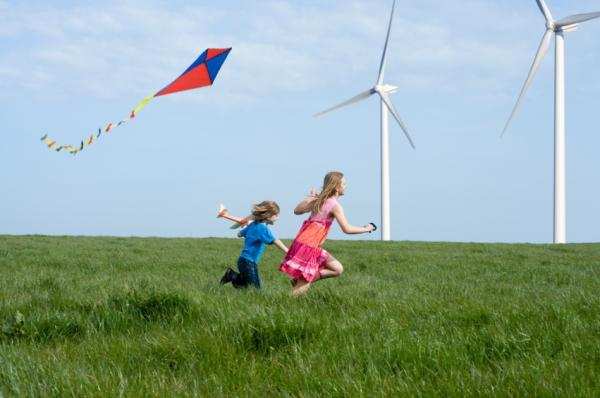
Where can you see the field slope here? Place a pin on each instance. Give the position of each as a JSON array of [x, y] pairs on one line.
[[146, 317]]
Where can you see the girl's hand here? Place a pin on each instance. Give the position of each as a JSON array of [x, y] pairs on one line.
[[305, 206], [370, 227]]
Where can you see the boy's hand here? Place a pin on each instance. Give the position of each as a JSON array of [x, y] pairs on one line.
[[280, 245]]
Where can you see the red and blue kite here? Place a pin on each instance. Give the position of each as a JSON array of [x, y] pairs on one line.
[[201, 73]]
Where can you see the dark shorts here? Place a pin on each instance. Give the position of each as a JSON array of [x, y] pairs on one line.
[[247, 274]]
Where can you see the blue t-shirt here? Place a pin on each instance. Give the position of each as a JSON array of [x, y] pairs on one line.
[[257, 236]]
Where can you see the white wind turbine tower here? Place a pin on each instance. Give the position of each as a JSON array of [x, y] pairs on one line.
[[383, 90], [556, 29]]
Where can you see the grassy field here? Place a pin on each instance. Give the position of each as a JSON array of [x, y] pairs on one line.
[[146, 317]]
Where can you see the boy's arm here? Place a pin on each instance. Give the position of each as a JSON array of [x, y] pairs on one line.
[[280, 245], [269, 239]]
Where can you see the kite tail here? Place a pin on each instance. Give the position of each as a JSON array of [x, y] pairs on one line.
[[94, 137]]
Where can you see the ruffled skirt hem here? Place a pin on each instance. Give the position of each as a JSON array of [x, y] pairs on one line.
[[303, 261]]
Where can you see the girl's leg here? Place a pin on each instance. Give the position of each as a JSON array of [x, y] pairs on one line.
[[333, 268], [300, 288]]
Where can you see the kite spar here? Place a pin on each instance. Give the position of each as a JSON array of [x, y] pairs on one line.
[[201, 73]]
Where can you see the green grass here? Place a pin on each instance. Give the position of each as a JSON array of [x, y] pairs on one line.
[[146, 317]]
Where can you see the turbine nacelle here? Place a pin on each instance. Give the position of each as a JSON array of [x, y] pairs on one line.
[[385, 89], [556, 27], [568, 28]]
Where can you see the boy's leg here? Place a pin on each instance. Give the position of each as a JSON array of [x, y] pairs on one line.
[[229, 276], [253, 277], [249, 272], [241, 279]]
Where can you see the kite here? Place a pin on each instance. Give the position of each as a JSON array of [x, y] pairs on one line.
[[201, 73]]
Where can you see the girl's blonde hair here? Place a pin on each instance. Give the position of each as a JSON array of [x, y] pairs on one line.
[[332, 183], [264, 210]]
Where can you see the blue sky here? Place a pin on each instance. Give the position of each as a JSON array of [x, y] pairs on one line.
[[68, 67]]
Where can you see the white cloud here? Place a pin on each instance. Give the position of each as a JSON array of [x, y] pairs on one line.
[[136, 47]]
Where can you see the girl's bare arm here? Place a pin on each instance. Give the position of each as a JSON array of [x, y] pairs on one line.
[[338, 213], [305, 206]]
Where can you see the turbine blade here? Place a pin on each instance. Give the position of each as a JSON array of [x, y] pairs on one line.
[[388, 103], [545, 10], [541, 53], [352, 100], [385, 47], [577, 18]]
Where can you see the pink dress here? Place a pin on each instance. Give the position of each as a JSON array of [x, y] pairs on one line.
[[306, 258]]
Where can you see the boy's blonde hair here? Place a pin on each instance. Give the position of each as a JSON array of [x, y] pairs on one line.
[[264, 210], [332, 183]]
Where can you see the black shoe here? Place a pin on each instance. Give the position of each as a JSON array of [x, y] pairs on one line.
[[228, 276]]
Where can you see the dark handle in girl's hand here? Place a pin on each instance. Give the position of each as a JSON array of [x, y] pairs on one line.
[[374, 227]]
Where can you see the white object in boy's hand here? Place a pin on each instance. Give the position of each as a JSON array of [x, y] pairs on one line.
[[238, 222], [221, 211]]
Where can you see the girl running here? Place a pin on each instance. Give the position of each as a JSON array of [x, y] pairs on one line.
[[306, 261]]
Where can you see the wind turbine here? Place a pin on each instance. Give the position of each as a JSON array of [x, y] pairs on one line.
[[384, 91], [556, 29]]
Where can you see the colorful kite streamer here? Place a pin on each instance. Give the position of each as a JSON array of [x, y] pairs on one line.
[[201, 73]]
